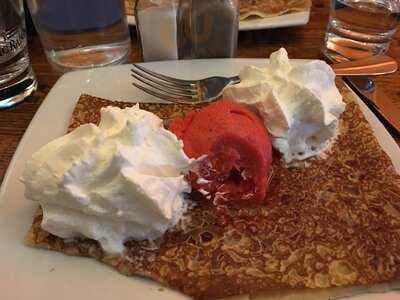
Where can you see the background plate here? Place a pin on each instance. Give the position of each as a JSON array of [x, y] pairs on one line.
[[285, 20], [27, 273]]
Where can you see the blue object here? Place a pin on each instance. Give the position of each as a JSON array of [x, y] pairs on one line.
[[83, 15]]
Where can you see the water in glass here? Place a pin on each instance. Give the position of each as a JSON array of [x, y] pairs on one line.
[[360, 28], [17, 80], [82, 34]]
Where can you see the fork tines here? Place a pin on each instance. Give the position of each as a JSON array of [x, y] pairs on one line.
[[165, 87]]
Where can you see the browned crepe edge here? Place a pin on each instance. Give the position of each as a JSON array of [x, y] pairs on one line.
[[84, 247]]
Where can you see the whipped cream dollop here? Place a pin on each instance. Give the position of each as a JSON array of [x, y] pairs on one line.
[[300, 103], [123, 179]]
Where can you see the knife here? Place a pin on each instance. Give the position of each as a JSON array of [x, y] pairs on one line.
[[377, 100], [387, 111]]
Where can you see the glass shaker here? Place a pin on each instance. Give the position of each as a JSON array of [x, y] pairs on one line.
[[208, 29], [156, 23]]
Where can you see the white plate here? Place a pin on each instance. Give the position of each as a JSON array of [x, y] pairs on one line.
[[27, 273], [285, 20]]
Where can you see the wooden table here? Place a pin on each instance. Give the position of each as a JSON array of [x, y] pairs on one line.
[[301, 42]]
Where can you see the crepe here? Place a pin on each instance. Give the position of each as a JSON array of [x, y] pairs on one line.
[[271, 8], [333, 222]]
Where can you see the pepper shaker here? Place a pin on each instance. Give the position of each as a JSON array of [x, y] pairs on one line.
[[156, 23], [207, 29]]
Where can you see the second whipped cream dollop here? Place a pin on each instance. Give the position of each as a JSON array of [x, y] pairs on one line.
[[300, 103], [122, 179]]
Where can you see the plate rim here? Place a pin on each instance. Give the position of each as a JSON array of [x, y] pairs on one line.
[[299, 18], [52, 95]]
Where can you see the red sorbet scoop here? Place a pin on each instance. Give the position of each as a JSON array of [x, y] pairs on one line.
[[238, 150]]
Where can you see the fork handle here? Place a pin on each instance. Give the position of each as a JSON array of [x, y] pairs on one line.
[[235, 79], [374, 65]]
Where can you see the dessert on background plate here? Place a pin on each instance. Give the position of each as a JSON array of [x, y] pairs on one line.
[[270, 8], [331, 222]]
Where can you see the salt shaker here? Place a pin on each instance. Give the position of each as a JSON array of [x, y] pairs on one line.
[[156, 23], [207, 29]]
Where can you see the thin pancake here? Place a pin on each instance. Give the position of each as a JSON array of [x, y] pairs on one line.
[[335, 222], [271, 8]]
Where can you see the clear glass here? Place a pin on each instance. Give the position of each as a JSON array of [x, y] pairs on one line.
[[82, 34], [157, 29], [360, 28], [187, 29], [208, 29], [17, 80]]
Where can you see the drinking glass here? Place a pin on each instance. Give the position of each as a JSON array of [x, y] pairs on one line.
[[17, 80], [82, 34], [360, 28]]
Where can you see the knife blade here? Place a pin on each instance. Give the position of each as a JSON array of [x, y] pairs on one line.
[[387, 111], [377, 99]]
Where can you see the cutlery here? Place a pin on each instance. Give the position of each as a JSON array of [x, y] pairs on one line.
[[374, 65], [377, 100], [365, 88], [211, 88]]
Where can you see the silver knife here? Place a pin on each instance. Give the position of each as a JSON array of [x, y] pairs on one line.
[[365, 88]]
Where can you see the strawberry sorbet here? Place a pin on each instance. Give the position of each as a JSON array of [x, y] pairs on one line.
[[234, 148]]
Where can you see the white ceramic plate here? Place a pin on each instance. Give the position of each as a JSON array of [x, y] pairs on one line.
[[27, 273], [285, 20]]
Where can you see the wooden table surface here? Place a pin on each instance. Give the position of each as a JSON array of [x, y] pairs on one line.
[[301, 42]]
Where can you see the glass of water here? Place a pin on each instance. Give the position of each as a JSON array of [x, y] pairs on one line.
[[360, 28], [82, 34], [17, 80]]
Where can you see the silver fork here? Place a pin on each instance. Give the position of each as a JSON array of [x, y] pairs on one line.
[[179, 90], [209, 89]]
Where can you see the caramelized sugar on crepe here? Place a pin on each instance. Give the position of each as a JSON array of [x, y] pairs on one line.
[[270, 8], [335, 222]]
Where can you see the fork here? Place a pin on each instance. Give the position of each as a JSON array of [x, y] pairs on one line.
[[180, 90], [211, 88]]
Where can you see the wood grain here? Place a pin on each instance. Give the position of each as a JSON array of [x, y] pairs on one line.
[[301, 42]]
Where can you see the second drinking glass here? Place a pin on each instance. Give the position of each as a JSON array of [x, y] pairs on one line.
[[360, 28], [82, 34]]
